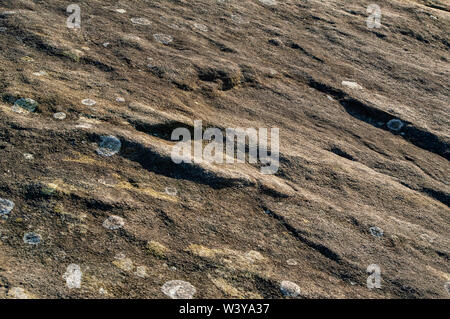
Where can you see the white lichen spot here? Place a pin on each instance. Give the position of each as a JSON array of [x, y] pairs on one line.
[[141, 21], [119, 256], [72, 276], [163, 38], [88, 102], [292, 262], [201, 27], [28, 156], [126, 264], [254, 256], [114, 222], [59, 116], [395, 125], [427, 238], [178, 289], [352, 85], [238, 19], [40, 73], [171, 191], [18, 293], [121, 10], [289, 289], [7, 13], [268, 2], [141, 272]]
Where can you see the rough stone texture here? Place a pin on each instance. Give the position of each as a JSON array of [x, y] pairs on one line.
[[342, 170]]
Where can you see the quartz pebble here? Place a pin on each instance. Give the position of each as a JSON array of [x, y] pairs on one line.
[[201, 27]]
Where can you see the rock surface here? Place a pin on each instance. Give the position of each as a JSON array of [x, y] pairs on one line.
[[351, 190]]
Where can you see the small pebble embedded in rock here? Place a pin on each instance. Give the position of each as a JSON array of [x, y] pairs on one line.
[[114, 222]]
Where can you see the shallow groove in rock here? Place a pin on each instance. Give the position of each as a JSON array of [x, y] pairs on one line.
[[323, 250], [371, 115]]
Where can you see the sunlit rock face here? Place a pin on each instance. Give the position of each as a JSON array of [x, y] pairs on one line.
[[346, 197]]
